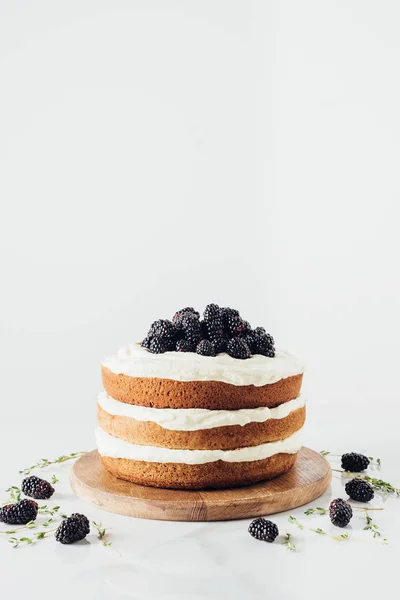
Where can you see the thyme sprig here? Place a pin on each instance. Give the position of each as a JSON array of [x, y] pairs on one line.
[[316, 511], [300, 525], [101, 533], [45, 510], [373, 527], [339, 538], [288, 542], [39, 535], [14, 495], [30, 525], [45, 462], [372, 460]]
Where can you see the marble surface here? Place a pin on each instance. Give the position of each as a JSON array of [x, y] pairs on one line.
[[155, 560]]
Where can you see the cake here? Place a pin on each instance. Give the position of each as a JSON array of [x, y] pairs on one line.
[[200, 404]]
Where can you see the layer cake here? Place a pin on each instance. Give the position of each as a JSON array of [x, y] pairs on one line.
[[185, 420]]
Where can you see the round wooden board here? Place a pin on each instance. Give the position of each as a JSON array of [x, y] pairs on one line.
[[308, 479]]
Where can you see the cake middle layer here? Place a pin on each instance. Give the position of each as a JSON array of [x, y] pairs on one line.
[[197, 429], [113, 447]]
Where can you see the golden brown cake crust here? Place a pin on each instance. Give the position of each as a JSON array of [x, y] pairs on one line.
[[213, 395], [230, 437], [217, 474]]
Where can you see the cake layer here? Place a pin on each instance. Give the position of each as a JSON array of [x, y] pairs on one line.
[[259, 370], [217, 474], [213, 395], [192, 419], [116, 448], [147, 433]]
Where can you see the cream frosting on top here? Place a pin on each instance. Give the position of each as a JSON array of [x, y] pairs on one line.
[[135, 361], [193, 419], [116, 448]]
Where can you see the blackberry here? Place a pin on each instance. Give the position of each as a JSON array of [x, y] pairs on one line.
[[212, 312], [233, 323], [354, 462], [264, 530], [74, 528], [146, 342], [250, 340], [37, 488], [184, 346], [359, 490], [220, 344], [264, 344], [247, 327], [214, 331], [237, 348], [259, 331], [20, 513], [205, 348], [191, 329], [163, 328], [340, 512], [178, 316], [160, 345]]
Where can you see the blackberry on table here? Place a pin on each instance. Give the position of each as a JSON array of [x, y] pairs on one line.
[[359, 490], [264, 530], [20, 513], [37, 488], [354, 462], [72, 529], [184, 346], [237, 348], [340, 512], [205, 348]]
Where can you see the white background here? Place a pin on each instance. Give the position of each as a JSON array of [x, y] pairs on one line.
[[155, 155]]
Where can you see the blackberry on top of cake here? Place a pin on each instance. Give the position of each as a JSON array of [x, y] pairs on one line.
[[220, 330]]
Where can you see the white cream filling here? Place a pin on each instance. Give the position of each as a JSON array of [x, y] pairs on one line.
[[115, 448], [193, 419], [135, 361]]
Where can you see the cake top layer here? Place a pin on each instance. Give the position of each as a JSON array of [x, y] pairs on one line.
[[259, 370]]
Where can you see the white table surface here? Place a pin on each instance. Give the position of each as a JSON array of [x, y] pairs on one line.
[[164, 560]]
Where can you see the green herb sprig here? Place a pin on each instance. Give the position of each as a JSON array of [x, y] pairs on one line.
[[102, 533], [14, 495], [39, 535], [288, 543], [44, 462]]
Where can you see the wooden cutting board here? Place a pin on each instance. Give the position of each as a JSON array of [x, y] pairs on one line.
[[308, 479]]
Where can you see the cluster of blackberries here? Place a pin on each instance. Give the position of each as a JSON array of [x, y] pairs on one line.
[[220, 330], [340, 511], [71, 529]]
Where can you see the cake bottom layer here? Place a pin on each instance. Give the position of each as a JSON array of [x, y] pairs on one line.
[[218, 474]]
